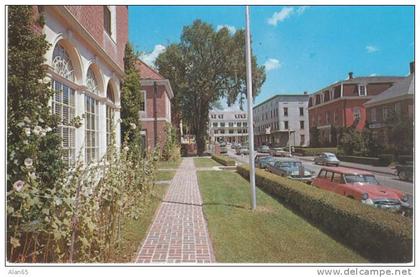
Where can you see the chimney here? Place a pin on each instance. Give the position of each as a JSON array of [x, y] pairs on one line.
[[412, 66], [350, 75], [305, 93]]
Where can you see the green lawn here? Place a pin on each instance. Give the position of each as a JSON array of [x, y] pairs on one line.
[[205, 162], [169, 164], [134, 231], [165, 175], [271, 234]]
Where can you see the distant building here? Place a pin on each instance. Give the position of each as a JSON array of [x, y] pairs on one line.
[[398, 100], [282, 120], [341, 104], [155, 112], [86, 66], [228, 126]]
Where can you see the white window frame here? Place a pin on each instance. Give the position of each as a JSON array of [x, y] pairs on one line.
[[360, 91]]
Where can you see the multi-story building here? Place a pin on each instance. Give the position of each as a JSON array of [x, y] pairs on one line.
[[86, 67], [228, 126], [155, 112], [397, 100], [282, 120], [341, 104]]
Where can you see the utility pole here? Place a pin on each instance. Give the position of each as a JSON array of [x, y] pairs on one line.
[[250, 116]]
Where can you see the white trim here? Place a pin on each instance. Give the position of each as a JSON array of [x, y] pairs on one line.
[[148, 119], [342, 98]]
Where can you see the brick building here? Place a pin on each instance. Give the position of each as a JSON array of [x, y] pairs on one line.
[[341, 104], [397, 100], [156, 110], [282, 120], [86, 67]]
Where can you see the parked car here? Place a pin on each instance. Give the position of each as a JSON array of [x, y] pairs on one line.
[[360, 185], [263, 149], [293, 169], [235, 145], [278, 151], [327, 159], [262, 160], [243, 150], [404, 171]]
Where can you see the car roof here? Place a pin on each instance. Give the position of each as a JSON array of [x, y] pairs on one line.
[[287, 160], [328, 153], [346, 170]]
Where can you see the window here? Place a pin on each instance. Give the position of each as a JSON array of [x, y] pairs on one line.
[[107, 20], [63, 105], [238, 124], [302, 139], [302, 124], [222, 131], [397, 108], [215, 124], [327, 117], [220, 116], [301, 111], [356, 113], [310, 102], [91, 120], [317, 99], [61, 63], [338, 178], [286, 125], [329, 175], [230, 124], [373, 115], [245, 124], [362, 90], [230, 131], [109, 114], [222, 124], [143, 103], [285, 111]]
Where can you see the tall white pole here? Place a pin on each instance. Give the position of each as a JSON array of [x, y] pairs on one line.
[[250, 115]]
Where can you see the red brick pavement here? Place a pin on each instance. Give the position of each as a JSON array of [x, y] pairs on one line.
[[179, 232]]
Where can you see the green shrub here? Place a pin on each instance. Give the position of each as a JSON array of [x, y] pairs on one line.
[[314, 151], [385, 159], [223, 160], [361, 160], [377, 234]]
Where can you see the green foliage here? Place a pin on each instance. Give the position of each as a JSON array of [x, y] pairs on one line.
[[400, 134], [171, 150], [351, 142], [223, 160], [309, 151], [131, 98], [203, 68], [315, 137], [361, 160], [30, 125], [377, 234]]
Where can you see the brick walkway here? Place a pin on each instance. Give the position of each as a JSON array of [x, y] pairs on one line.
[[179, 232]]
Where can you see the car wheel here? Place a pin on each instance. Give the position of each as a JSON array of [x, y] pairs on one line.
[[402, 175]]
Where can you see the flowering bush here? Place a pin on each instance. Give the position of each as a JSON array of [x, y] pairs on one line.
[[171, 150]]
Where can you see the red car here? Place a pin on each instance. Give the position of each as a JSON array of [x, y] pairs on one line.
[[360, 185]]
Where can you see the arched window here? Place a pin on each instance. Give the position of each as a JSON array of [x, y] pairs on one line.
[[109, 114], [91, 118], [63, 102]]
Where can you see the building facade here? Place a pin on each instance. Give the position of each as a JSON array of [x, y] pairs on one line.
[[86, 67], [398, 100], [155, 112], [228, 126], [341, 105], [282, 121]]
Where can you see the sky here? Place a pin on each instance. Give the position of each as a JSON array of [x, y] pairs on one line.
[[304, 48]]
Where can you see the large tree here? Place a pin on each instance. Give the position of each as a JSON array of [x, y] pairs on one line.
[[203, 68]]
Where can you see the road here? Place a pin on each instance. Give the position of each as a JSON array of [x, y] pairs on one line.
[[388, 180]]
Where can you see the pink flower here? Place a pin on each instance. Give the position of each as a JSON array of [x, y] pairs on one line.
[[18, 185]]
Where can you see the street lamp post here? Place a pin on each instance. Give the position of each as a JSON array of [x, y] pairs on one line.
[[250, 116]]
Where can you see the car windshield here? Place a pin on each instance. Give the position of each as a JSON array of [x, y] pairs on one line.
[[359, 178], [290, 164]]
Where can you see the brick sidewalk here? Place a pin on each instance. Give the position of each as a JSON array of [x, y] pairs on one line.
[[179, 232]]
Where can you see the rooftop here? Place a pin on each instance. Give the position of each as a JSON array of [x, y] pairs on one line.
[[402, 88], [285, 98], [146, 72]]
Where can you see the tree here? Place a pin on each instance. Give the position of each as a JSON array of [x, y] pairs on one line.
[[131, 99], [33, 144], [351, 142], [372, 147], [203, 68], [399, 133], [315, 137]]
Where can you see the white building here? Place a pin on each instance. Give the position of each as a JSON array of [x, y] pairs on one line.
[[282, 120], [228, 126], [85, 65]]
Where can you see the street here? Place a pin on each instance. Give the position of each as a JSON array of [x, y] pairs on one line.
[[388, 180]]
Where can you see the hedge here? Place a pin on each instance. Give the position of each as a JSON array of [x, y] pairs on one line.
[[379, 235], [361, 160], [223, 160], [315, 151]]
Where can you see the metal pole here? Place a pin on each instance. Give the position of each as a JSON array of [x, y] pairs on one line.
[[250, 116]]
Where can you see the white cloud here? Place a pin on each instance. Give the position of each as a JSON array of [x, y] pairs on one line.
[[272, 64], [371, 49], [149, 58], [373, 75], [231, 29], [280, 16], [285, 13]]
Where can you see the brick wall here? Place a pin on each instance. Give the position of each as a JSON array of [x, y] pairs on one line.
[[161, 97], [92, 19], [150, 133]]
